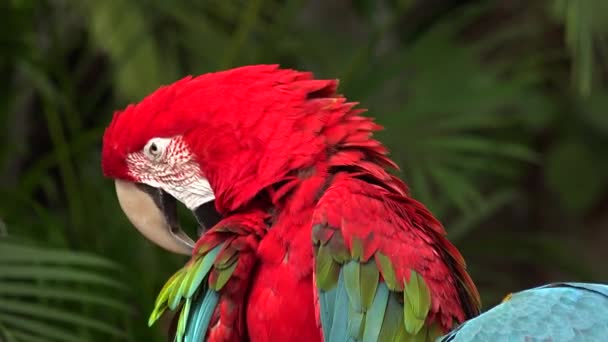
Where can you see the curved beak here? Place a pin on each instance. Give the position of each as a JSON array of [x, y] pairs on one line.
[[154, 213]]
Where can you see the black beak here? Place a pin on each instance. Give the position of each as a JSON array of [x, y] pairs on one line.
[[207, 216]]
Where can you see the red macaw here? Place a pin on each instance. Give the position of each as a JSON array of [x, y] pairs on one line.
[[310, 238]]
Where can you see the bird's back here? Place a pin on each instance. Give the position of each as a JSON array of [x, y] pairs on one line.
[[555, 312]]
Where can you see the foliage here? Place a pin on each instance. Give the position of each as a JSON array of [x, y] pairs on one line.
[[56, 295], [495, 111]]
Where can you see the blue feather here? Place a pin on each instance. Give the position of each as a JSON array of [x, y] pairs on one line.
[[339, 327], [202, 311], [599, 288], [558, 312], [327, 300], [375, 314]]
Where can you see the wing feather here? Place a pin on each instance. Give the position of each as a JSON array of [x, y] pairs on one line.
[[216, 276], [375, 259]]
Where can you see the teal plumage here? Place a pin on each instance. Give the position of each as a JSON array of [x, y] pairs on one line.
[[201, 316], [556, 312]]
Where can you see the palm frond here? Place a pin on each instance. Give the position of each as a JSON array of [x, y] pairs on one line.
[[59, 295]]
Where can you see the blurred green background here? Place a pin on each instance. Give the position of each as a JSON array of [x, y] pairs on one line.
[[496, 111]]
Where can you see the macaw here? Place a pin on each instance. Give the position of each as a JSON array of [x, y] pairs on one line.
[[561, 312], [306, 235]]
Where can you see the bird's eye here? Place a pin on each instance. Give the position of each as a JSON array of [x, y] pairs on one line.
[[155, 148]]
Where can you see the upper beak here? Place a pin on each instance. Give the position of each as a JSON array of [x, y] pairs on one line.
[[154, 213]]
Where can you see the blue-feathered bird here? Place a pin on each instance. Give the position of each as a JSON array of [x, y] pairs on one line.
[[555, 312]]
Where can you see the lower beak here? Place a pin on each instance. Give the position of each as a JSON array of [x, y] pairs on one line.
[[154, 213]]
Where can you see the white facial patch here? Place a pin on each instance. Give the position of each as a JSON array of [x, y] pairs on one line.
[[193, 194], [167, 163]]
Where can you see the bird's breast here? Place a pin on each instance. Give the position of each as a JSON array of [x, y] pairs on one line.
[[281, 302]]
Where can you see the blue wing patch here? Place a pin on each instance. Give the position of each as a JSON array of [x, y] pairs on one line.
[[343, 321]]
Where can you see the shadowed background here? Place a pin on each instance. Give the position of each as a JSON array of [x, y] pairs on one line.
[[495, 110]]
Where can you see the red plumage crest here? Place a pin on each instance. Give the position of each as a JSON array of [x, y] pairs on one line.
[[251, 124], [178, 107]]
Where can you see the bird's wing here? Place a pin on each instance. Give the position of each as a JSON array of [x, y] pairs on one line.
[[556, 312], [383, 270], [209, 292]]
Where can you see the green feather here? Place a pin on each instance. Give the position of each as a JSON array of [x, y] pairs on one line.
[[420, 336], [160, 305], [225, 258], [337, 248], [416, 303], [356, 248], [388, 273], [327, 270], [202, 270], [321, 233], [223, 276], [402, 335], [183, 320], [352, 283], [187, 278], [369, 277], [156, 313], [168, 288], [392, 326], [434, 332], [182, 284], [174, 296], [376, 314]]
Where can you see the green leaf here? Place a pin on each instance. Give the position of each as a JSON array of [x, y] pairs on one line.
[[121, 28], [576, 174], [34, 326], [26, 337], [43, 312], [12, 289], [58, 274], [470, 221], [7, 335], [27, 287], [18, 253]]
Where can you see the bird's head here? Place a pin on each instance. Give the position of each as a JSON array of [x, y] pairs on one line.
[[212, 142]]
